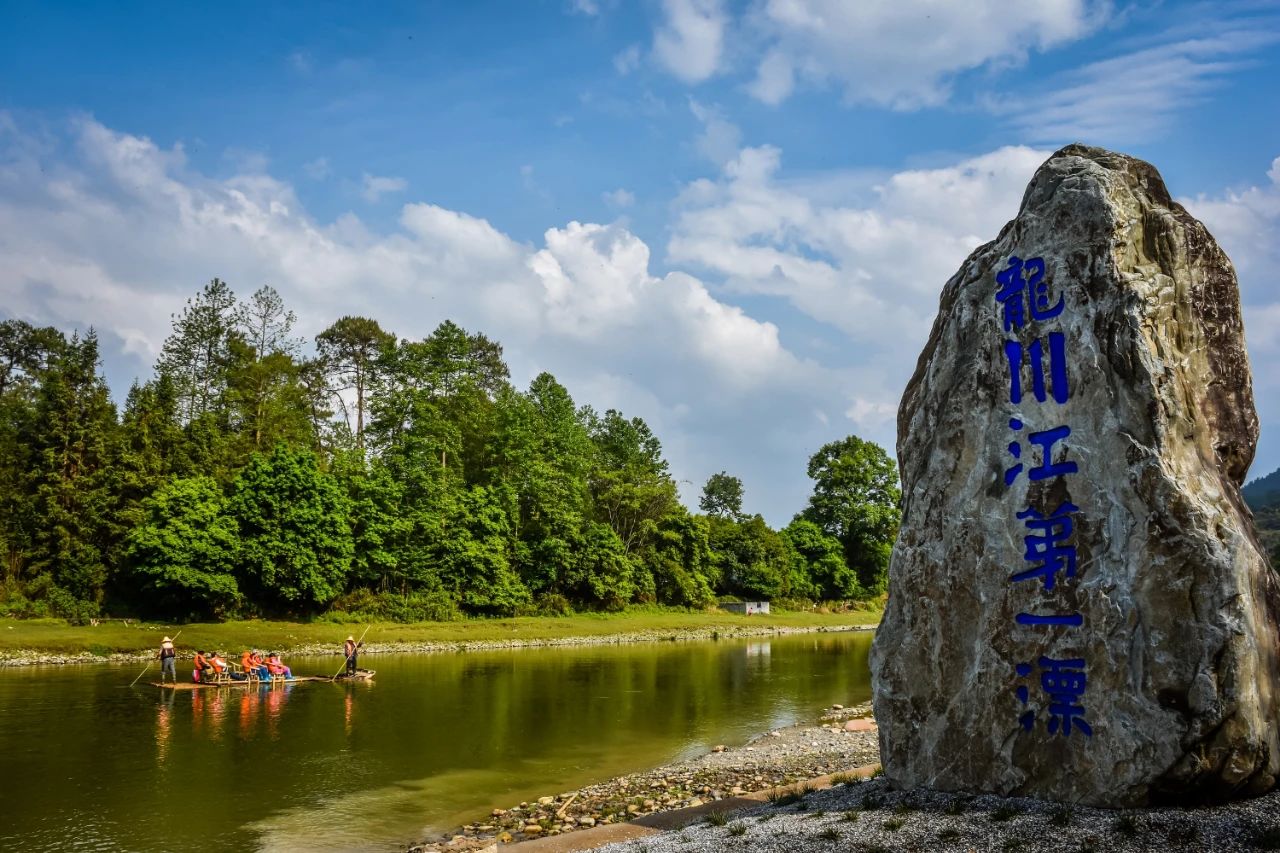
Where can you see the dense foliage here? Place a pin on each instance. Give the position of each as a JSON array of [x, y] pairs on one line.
[[406, 479]]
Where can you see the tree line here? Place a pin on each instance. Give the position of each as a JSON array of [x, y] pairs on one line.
[[401, 479]]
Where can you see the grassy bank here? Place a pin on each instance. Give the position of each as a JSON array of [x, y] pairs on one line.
[[55, 636]]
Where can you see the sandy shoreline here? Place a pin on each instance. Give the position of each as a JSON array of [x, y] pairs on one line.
[[35, 657]]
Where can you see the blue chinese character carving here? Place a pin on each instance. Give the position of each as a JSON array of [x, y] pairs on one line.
[[1013, 351], [1064, 683], [1028, 718], [1017, 294], [1047, 468], [1046, 545], [1070, 619]]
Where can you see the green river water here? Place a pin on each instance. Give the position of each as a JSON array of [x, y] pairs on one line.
[[86, 763]]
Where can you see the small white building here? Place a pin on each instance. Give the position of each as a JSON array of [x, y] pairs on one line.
[[746, 607]]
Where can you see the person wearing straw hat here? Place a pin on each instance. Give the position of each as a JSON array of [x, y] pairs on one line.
[[168, 660], [351, 648]]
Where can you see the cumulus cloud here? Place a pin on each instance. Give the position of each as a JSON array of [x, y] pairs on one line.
[[374, 187], [120, 234], [690, 41], [871, 267]]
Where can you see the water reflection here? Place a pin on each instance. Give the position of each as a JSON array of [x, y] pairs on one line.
[[164, 725], [440, 740]]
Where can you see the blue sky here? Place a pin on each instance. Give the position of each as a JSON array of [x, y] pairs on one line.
[[732, 219]]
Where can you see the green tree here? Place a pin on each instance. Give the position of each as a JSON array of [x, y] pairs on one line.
[[184, 551], [680, 560], [196, 354], [377, 524], [542, 454], [819, 569], [857, 500], [295, 542], [473, 555], [26, 353], [70, 479], [722, 496], [350, 351], [630, 486], [751, 559]]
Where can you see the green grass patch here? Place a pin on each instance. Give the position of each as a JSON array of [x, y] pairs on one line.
[[57, 636]]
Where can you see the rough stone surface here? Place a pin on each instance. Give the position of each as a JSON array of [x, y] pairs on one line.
[[1179, 604]]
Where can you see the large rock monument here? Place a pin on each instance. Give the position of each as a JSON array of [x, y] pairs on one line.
[[1079, 609]]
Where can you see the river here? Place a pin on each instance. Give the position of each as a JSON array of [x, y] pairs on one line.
[[88, 763]]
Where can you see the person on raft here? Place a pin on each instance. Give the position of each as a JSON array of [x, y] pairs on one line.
[[202, 670], [218, 663], [168, 660], [277, 667], [351, 648]]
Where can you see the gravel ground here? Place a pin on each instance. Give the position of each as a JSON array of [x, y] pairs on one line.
[[867, 817]]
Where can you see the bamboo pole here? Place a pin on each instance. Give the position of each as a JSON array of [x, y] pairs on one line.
[[348, 657]]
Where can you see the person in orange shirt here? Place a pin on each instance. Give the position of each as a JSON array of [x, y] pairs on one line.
[[260, 665], [246, 666], [200, 665], [219, 665]]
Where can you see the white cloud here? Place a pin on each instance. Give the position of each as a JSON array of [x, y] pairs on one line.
[[317, 169], [590, 8], [374, 187], [628, 60], [720, 138], [775, 78], [619, 198], [1135, 96], [902, 54], [690, 41], [869, 266], [122, 233]]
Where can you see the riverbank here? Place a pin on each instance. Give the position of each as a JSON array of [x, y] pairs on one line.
[[54, 642], [869, 817], [796, 789], [844, 739]]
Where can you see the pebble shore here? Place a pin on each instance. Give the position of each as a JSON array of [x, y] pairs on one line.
[[28, 657], [843, 740], [868, 817]]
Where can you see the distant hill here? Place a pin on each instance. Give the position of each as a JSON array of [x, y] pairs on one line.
[[1263, 497], [1262, 491]]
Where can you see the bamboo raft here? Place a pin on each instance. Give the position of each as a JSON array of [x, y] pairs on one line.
[[361, 675]]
